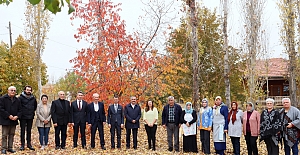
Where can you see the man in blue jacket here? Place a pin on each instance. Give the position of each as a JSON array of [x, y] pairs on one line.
[[170, 120], [132, 114]]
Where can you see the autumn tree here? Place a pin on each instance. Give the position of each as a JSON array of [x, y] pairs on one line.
[[19, 66], [210, 58], [4, 77], [288, 36], [115, 62], [37, 25], [69, 85], [252, 15]]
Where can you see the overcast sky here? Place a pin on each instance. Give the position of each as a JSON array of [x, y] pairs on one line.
[[61, 45]]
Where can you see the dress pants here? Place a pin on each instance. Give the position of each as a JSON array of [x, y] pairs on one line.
[[251, 144], [60, 129], [115, 128], [134, 134], [26, 125], [8, 132], [97, 125], [82, 127], [173, 130]]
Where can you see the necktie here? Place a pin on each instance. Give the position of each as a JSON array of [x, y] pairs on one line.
[[116, 108], [79, 106]]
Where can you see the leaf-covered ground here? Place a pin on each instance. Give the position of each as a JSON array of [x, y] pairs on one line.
[[161, 147]]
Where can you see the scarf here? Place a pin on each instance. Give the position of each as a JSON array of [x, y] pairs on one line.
[[233, 113], [190, 110]]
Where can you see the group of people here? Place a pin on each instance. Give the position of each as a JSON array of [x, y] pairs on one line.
[[271, 126]]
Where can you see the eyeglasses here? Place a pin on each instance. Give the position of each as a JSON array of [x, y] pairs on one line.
[[204, 102]]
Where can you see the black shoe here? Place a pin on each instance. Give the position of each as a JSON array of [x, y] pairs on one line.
[[30, 147], [22, 148], [135, 148], [177, 150], [103, 147], [3, 152], [170, 149], [84, 147], [57, 148], [11, 150], [63, 147]]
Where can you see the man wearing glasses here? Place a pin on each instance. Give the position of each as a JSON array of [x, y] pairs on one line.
[[10, 111]]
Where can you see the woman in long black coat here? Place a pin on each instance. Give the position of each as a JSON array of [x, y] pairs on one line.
[[188, 119]]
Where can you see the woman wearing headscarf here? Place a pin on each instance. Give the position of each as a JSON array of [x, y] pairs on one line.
[[290, 118], [251, 125], [204, 125], [220, 125], [235, 118], [188, 119], [269, 127]]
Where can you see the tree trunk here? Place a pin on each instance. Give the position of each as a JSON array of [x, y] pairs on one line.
[[194, 45], [290, 31], [226, 56]]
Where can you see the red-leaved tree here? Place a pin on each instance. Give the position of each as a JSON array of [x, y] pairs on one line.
[[115, 63]]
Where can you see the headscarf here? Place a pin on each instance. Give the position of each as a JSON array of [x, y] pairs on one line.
[[252, 106], [190, 110], [233, 112], [206, 102]]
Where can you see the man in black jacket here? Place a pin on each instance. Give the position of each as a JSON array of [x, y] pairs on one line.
[[60, 112], [28, 106], [10, 111], [79, 111]]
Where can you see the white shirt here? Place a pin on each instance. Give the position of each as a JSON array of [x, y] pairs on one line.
[[79, 105], [96, 106], [133, 105]]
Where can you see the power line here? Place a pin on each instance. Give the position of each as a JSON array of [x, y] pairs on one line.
[[52, 40]]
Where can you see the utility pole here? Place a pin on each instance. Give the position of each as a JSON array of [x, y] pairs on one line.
[[10, 38]]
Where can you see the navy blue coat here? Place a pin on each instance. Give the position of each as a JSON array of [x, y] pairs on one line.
[[28, 105], [165, 114], [92, 115], [132, 114], [112, 115], [9, 107]]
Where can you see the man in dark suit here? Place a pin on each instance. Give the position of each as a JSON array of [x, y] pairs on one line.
[[115, 120], [96, 120], [171, 120], [60, 112], [79, 111], [132, 114], [10, 111]]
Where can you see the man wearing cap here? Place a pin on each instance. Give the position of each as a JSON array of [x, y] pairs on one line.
[[220, 125]]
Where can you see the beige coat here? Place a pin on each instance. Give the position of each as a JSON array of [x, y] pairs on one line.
[[43, 115]]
